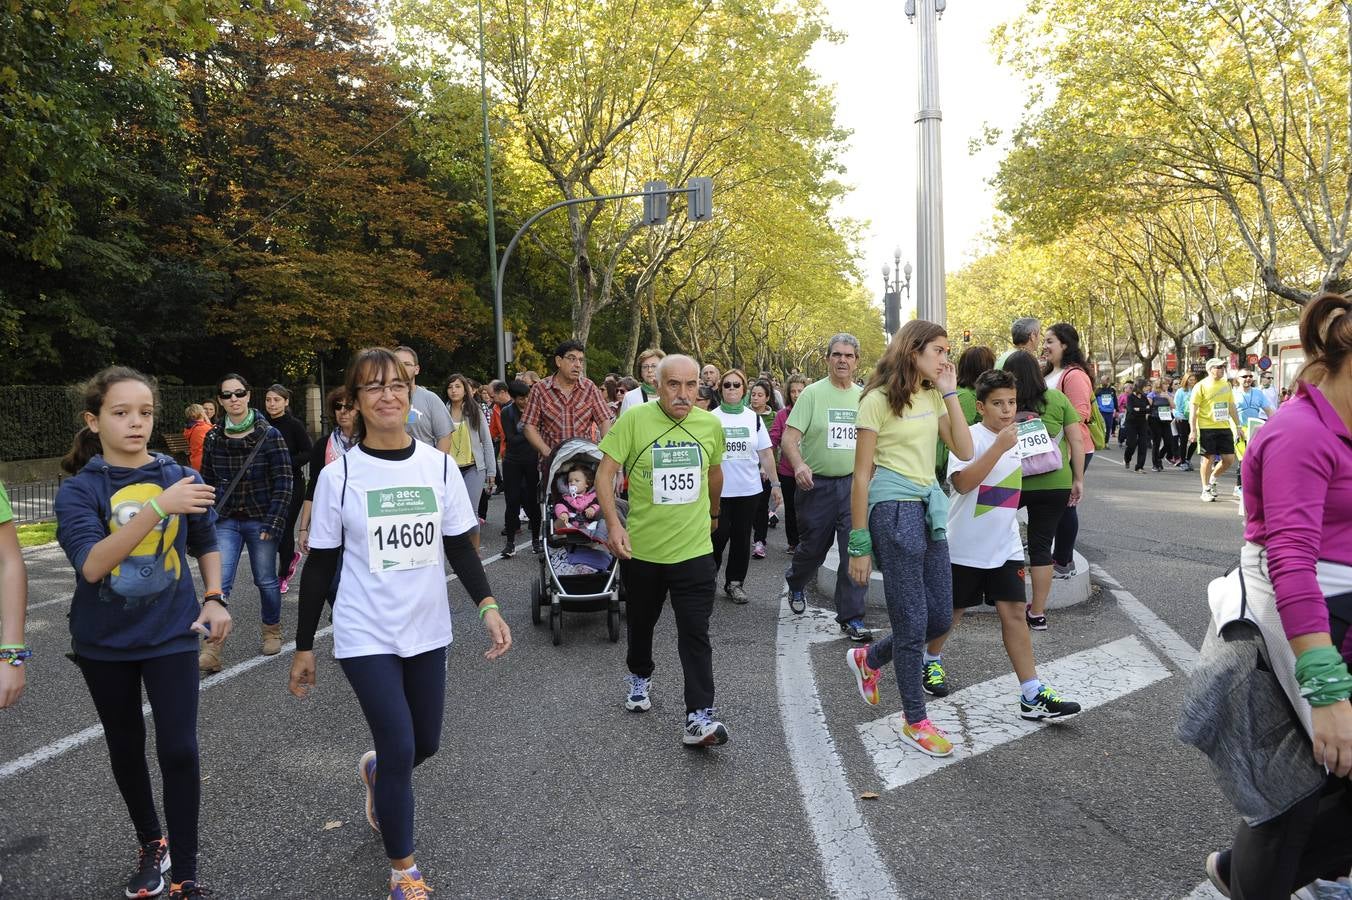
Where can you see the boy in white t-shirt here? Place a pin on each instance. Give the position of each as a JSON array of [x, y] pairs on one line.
[[984, 546]]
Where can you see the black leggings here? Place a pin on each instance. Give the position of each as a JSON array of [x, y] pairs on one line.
[[789, 487], [761, 526], [1138, 440], [734, 526], [1306, 842], [171, 685], [1161, 443], [1045, 509], [520, 481]]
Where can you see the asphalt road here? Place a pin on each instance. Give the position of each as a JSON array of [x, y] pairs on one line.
[[546, 787]]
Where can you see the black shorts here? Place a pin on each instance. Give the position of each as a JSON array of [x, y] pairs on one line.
[[973, 586], [1216, 440]]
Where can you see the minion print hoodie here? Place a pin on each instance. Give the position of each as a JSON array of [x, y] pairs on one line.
[[143, 608]]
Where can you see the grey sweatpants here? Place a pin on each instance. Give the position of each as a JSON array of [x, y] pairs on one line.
[[918, 584], [823, 514]]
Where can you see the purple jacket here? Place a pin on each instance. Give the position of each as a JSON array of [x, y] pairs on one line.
[[1298, 503]]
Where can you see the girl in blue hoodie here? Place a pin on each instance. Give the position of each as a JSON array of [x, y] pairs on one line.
[[126, 521]]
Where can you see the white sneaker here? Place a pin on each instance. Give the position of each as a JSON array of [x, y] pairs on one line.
[[1237, 492], [638, 699], [1208, 497], [703, 730]]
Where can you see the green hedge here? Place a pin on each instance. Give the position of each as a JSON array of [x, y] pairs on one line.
[[38, 421]]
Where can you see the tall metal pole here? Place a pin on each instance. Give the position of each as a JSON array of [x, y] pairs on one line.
[[499, 332], [931, 296]]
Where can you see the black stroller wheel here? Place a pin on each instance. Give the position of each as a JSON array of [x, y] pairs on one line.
[[536, 598], [556, 622]]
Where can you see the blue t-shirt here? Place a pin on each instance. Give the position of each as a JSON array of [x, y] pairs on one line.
[[1250, 405]]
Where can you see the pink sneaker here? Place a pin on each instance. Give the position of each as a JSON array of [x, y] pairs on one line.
[[926, 737], [286, 585], [291, 569], [758, 551], [865, 676]]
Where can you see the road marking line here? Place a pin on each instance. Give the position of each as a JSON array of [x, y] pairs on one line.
[[850, 860], [74, 741], [1205, 891], [985, 716], [1155, 629]]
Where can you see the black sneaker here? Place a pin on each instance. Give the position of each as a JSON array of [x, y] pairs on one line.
[[537, 546], [935, 680], [855, 630], [703, 730], [1218, 871], [797, 602], [186, 890], [1046, 705], [509, 549], [151, 864]]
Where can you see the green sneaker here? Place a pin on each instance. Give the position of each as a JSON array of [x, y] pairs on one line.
[[1047, 705], [935, 680]]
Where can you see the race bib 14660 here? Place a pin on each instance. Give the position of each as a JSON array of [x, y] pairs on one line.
[[403, 526]]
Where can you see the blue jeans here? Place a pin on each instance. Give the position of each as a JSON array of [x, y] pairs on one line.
[[232, 535]]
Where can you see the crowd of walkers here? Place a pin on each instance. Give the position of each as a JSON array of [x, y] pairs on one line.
[[919, 473]]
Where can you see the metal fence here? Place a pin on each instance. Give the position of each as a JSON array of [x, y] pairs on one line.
[[39, 421], [33, 502]]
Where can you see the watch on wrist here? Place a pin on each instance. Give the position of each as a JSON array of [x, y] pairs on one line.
[[218, 597]]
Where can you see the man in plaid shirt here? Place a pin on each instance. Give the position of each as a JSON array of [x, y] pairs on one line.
[[565, 405]]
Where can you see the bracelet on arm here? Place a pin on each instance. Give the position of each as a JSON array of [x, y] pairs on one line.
[[155, 505], [861, 543], [950, 394], [218, 597], [485, 608], [1323, 676], [15, 657]]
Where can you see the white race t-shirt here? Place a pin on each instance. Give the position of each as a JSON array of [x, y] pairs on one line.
[[634, 398], [744, 436], [983, 525], [391, 517]]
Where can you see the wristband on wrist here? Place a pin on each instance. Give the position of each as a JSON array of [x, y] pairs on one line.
[[861, 543], [484, 609], [950, 394], [155, 505], [15, 657], [218, 597], [1323, 676], [13, 646]]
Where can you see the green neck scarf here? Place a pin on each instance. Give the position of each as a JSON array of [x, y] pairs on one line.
[[242, 427], [648, 391], [732, 410]]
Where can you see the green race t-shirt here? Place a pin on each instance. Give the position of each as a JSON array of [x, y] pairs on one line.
[[826, 416], [6, 512], [1058, 414], [668, 464]]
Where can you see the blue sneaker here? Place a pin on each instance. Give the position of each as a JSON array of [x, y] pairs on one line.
[[366, 769], [797, 602], [855, 630], [409, 886], [638, 699]]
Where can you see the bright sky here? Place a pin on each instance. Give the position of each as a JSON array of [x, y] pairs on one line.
[[875, 70]]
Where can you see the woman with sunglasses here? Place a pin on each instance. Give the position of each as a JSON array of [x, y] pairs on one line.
[[247, 461], [748, 462], [388, 513], [277, 405], [762, 403]]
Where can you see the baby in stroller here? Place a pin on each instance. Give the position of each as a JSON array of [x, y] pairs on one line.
[[577, 508], [577, 531]]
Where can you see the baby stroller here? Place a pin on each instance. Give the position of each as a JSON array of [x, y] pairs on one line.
[[577, 571]]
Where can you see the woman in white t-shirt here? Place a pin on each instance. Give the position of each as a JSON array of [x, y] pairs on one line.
[[748, 461], [387, 512]]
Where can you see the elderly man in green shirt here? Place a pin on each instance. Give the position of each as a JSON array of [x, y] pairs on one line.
[[672, 451], [819, 443]]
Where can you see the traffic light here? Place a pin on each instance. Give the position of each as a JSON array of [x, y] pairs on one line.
[[967, 336], [699, 199], [655, 202]]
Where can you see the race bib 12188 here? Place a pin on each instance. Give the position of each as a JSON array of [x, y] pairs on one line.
[[840, 431]]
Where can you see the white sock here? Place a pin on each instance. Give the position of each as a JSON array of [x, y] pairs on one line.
[[1030, 688], [396, 874], [930, 657]]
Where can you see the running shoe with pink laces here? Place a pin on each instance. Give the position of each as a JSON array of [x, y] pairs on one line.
[[366, 770], [926, 737], [865, 676]]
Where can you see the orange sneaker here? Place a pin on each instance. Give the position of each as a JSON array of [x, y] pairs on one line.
[[926, 737], [865, 676]]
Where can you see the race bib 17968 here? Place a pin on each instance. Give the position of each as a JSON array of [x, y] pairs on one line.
[[403, 527], [1033, 438]]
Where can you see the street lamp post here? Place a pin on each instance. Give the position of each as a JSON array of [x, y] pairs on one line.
[[892, 288], [931, 299], [499, 332]]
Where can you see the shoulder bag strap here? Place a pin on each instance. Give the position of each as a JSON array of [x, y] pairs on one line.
[[234, 482]]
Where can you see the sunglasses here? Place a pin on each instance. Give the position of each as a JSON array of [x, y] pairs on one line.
[[343, 407], [732, 384], [238, 395]]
